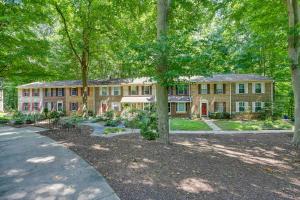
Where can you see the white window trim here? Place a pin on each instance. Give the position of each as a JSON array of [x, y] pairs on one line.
[[237, 106], [113, 90], [254, 105], [177, 111], [237, 88], [59, 92], [72, 92], [62, 107], [24, 106], [263, 87], [204, 87], [136, 87], [36, 92], [217, 106], [101, 91], [147, 86], [38, 105]]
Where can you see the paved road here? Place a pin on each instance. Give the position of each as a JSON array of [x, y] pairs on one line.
[[35, 167]]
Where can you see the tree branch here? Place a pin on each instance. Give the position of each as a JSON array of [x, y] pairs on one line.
[[67, 32]]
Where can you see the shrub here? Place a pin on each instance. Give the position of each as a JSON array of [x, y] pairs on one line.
[[109, 115], [149, 134], [54, 115], [219, 115], [90, 113], [113, 130], [3, 120], [18, 121]]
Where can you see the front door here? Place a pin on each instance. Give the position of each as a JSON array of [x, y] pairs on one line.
[[104, 107], [204, 109]]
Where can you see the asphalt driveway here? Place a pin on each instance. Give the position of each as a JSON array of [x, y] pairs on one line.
[[35, 167]]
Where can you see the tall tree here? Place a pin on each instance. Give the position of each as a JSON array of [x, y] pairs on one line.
[[294, 53], [163, 7]]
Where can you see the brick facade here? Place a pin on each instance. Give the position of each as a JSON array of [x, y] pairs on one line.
[[199, 96]]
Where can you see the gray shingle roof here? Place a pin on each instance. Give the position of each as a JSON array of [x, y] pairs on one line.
[[147, 80], [230, 78], [179, 99]]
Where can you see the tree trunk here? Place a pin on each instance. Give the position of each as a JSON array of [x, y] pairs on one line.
[[296, 88], [84, 71], [294, 54], [162, 67]]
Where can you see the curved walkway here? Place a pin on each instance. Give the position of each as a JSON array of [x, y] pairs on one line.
[[35, 167]]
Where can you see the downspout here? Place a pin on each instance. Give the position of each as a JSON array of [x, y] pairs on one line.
[[190, 96]]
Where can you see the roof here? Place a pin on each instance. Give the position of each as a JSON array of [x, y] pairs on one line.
[[137, 99], [230, 78], [179, 99], [148, 80]]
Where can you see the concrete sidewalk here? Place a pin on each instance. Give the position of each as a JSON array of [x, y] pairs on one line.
[[35, 167], [232, 132]]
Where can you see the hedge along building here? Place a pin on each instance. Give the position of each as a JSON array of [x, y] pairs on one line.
[[198, 96]]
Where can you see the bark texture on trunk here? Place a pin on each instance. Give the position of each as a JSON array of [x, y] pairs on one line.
[[294, 54], [162, 91]]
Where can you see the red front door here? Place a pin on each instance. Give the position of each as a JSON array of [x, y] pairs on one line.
[[204, 109]]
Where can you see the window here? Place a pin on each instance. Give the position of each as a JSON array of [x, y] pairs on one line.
[[241, 88], [181, 107], [204, 89], [35, 92], [59, 106], [104, 91], [116, 91], [147, 90], [182, 90], [258, 106], [133, 90], [219, 89], [74, 106], [60, 92], [48, 92], [219, 107], [35, 106], [258, 87], [116, 106], [26, 106], [26, 92], [242, 106], [74, 92]]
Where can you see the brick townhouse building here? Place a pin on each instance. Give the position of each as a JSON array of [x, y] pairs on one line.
[[198, 95]]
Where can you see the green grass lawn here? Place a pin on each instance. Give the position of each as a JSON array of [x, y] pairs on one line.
[[253, 125], [188, 125]]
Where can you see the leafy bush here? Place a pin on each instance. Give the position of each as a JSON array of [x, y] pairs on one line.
[[18, 121], [219, 115], [109, 115], [149, 134], [3, 120]]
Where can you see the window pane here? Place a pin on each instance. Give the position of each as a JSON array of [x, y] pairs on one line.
[[241, 88]]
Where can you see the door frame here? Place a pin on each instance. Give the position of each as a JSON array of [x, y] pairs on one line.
[[201, 102]]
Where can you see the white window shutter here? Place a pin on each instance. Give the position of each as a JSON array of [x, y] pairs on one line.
[[237, 107], [253, 106], [246, 88], [237, 88], [246, 106], [263, 88], [253, 88]]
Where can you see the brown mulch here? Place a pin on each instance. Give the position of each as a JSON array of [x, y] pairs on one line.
[[250, 166]]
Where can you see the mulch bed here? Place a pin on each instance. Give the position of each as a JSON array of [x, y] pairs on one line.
[[252, 166]]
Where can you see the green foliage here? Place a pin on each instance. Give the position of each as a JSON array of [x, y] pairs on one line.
[[113, 130], [219, 115], [4, 120]]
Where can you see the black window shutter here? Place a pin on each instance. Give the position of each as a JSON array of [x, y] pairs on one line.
[[46, 91], [208, 88], [199, 88], [215, 106], [224, 106], [176, 90], [129, 90], [137, 89], [63, 92], [215, 88], [143, 90], [56, 91], [151, 89], [224, 88]]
